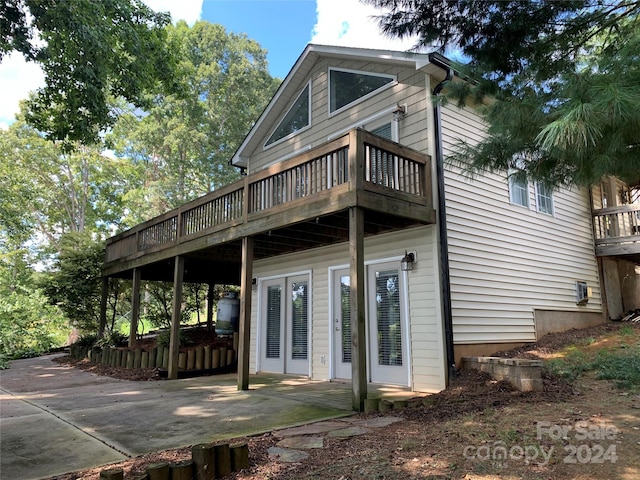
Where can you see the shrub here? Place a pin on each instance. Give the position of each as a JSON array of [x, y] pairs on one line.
[[87, 340], [164, 338], [113, 339]]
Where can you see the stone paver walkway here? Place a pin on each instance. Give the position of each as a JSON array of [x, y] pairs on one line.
[[306, 437]]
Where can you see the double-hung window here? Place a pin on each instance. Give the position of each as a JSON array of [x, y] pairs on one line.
[[544, 198], [518, 189]]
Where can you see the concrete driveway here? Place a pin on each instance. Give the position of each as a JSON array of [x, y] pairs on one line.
[[56, 419]]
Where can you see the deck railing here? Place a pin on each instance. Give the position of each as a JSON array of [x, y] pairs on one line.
[[310, 174], [617, 225], [357, 158]]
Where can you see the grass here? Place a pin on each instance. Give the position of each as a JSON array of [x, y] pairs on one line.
[[622, 368], [619, 362]]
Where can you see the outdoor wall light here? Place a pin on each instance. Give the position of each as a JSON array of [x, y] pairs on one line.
[[399, 113], [407, 261]]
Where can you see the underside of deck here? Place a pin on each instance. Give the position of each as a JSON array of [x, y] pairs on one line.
[[220, 261]]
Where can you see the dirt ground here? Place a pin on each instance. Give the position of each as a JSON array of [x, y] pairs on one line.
[[477, 428]]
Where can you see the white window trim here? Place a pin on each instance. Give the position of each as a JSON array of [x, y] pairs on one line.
[[391, 84], [293, 134], [553, 207]]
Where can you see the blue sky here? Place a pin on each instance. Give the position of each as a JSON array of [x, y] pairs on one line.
[[282, 27]]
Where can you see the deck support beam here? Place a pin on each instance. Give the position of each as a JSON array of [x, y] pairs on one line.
[[103, 306], [210, 293], [358, 320], [176, 314], [135, 306], [245, 313]]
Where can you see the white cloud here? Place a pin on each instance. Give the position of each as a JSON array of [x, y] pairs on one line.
[[187, 10], [350, 23], [17, 78]]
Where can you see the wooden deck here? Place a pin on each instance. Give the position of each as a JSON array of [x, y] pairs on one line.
[[298, 204], [617, 232]]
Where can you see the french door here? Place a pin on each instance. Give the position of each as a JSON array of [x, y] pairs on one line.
[[386, 325], [284, 314]]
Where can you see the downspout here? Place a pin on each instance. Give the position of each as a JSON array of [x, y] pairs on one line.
[[442, 223]]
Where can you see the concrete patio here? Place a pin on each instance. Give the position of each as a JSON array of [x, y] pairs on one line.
[[57, 419]]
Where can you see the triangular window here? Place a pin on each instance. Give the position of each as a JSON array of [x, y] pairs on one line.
[[348, 86], [297, 118]]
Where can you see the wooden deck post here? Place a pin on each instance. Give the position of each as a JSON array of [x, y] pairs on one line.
[[210, 293], [176, 313], [358, 319], [103, 306], [135, 306], [245, 313]]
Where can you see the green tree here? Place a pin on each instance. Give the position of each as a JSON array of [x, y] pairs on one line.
[[29, 325], [89, 51], [185, 142], [563, 77], [74, 281], [53, 203], [46, 192]]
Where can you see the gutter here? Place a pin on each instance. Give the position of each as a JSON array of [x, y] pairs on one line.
[[437, 60]]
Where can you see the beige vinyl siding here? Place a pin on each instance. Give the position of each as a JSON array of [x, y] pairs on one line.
[[427, 355], [409, 90], [507, 260]]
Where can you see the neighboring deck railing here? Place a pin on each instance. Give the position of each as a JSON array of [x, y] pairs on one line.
[[359, 159], [617, 225]]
